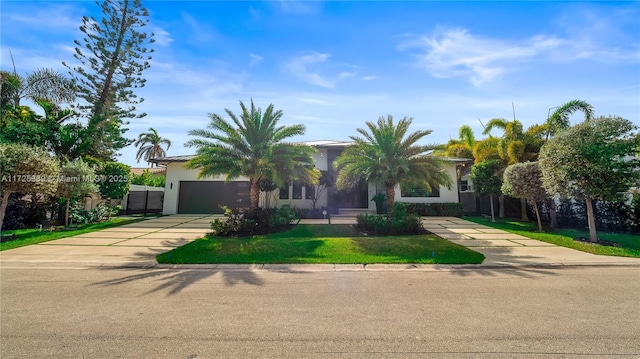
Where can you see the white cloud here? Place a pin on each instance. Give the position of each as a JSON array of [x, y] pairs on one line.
[[53, 17], [307, 67], [162, 37], [369, 78], [603, 36], [298, 7], [255, 59], [457, 53]]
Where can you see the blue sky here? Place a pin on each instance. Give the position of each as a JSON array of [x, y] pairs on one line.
[[333, 65]]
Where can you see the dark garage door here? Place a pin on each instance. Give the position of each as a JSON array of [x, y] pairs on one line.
[[201, 197]]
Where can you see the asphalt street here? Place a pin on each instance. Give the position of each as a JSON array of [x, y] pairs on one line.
[[527, 312]]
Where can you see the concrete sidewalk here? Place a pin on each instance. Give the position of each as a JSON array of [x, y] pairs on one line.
[[137, 244]]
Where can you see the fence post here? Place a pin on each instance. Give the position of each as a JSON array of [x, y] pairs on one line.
[[128, 209], [146, 202]]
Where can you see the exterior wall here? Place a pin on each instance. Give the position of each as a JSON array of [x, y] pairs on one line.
[[446, 195], [320, 158]]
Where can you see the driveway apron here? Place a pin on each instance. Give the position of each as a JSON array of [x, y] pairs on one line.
[[502, 248], [136, 243]]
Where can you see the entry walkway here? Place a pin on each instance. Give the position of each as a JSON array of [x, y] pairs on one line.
[[137, 244]]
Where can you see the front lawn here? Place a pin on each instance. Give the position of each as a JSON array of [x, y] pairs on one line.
[[329, 244], [629, 244], [34, 236]]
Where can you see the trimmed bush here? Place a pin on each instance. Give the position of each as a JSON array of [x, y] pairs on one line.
[[255, 222], [402, 221]]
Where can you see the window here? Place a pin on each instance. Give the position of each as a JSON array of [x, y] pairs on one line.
[[418, 191], [284, 192], [464, 186], [297, 190], [309, 191]]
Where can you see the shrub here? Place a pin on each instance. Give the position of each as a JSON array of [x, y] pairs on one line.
[[102, 212], [254, 222], [402, 221], [450, 209], [22, 213]]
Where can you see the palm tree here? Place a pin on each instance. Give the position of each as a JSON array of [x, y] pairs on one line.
[[42, 84], [387, 155], [516, 145], [150, 145], [462, 147], [559, 119], [251, 146]]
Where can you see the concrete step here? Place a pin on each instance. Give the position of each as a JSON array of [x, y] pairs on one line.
[[353, 212]]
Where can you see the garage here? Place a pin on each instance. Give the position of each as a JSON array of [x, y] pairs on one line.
[[207, 197]]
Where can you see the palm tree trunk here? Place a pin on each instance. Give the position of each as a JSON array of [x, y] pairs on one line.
[[254, 195], [391, 198], [591, 219]]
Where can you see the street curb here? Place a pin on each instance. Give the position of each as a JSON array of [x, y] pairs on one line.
[[303, 268]]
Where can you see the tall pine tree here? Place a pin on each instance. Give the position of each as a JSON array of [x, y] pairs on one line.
[[112, 56]]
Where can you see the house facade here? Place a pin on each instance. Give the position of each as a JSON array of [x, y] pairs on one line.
[[186, 194]]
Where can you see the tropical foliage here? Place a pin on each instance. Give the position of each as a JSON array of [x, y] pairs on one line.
[[252, 145], [43, 84], [146, 178], [113, 180], [592, 160], [25, 169], [523, 180], [77, 180], [389, 155], [487, 179]]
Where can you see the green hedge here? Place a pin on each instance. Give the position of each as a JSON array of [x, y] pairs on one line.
[[450, 209], [401, 221]]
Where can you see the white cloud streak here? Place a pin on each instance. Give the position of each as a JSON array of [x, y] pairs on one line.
[[307, 67], [458, 53]]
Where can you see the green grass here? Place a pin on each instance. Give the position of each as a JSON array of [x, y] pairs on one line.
[[332, 244], [34, 236], [629, 243]]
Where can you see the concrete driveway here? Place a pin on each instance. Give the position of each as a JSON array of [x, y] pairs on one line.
[[502, 248], [133, 244]]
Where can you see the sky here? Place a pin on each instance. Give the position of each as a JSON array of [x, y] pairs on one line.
[[334, 65]]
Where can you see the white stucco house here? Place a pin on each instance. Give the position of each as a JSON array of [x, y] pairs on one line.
[[185, 194]]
